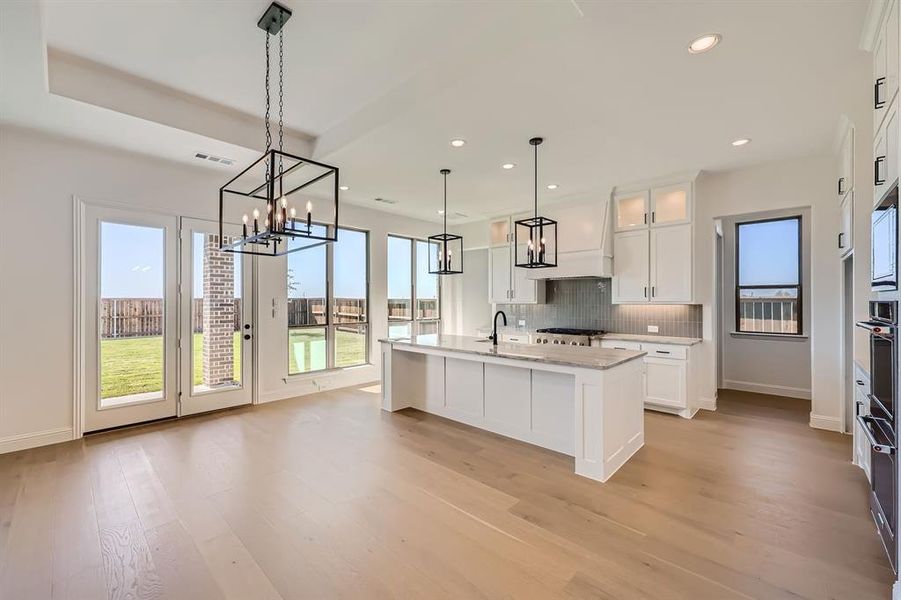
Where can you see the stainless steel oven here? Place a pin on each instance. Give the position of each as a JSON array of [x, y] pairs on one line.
[[879, 426]]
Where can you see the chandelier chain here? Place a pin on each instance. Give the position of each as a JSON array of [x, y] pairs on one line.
[[268, 132]]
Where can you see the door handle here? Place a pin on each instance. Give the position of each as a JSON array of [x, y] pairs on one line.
[[877, 103], [840, 240], [864, 422], [841, 190]]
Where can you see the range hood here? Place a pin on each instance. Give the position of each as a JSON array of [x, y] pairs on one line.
[[584, 241]]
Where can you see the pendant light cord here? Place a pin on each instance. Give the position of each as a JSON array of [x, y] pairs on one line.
[[445, 204], [536, 180]]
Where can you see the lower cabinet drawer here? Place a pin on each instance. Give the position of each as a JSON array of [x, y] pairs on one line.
[[621, 345], [666, 351]]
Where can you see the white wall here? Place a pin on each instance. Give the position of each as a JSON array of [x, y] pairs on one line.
[[39, 175], [775, 186], [768, 365]]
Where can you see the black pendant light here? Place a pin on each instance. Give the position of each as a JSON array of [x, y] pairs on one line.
[[445, 249], [272, 190], [535, 238]]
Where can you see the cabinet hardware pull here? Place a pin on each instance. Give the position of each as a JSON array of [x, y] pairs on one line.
[[619, 347], [858, 381], [877, 102], [879, 161], [662, 351], [653, 216], [840, 240], [645, 218], [841, 190], [653, 291], [645, 291]]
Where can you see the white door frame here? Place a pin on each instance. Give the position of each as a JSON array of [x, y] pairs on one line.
[[79, 209], [190, 402], [86, 351]]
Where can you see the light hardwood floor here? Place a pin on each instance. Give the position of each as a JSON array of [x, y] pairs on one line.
[[328, 497]]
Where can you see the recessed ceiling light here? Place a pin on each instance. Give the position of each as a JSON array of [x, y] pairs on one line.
[[552, 186], [457, 143], [741, 141], [508, 166], [704, 43], [343, 188]]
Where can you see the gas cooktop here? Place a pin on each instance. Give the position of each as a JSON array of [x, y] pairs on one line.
[[565, 336]]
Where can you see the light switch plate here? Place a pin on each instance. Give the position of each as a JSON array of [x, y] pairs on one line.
[[653, 329]]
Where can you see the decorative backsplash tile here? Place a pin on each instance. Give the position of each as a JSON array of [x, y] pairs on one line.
[[587, 304]]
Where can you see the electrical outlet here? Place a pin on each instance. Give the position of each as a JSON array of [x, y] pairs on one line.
[[521, 322], [653, 329]]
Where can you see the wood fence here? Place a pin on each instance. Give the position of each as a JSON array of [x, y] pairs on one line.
[[138, 317]]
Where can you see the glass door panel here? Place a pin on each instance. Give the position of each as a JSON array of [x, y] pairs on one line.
[[631, 211], [217, 332], [307, 310], [670, 205], [129, 319]]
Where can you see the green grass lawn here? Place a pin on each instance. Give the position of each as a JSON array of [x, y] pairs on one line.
[[135, 365]]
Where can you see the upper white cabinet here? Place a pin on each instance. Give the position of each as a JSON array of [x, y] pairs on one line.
[[845, 240], [885, 151], [506, 283], [671, 264], [671, 205], [845, 178], [631, 210], [631, 266], [885, 64], [652, 252]]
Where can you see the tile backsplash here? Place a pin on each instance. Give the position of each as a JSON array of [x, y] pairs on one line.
[[586, 304]]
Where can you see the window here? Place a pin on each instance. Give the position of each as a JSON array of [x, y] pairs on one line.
[[328, 316], [413, 292], [768, 276]]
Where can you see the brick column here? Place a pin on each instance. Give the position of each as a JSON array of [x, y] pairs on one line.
[[218, 314]]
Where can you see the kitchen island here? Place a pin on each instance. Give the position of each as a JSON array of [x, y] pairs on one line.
[[584, 402]]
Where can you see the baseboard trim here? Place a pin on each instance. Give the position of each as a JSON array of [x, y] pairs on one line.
[[706, 403], [24, 441], [824, 422], [765, 388]]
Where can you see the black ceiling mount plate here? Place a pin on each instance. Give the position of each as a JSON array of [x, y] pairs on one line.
[[274, 18]]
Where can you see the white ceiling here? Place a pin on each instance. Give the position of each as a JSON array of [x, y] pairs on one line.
[[384, 86]]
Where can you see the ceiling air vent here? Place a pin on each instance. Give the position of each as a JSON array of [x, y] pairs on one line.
[[214, 159], [386, 201]]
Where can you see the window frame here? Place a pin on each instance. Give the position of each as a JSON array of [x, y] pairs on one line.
[[414, 321], [799, 286], [330, 326]]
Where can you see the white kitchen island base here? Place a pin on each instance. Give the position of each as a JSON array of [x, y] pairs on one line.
[[593, 412]]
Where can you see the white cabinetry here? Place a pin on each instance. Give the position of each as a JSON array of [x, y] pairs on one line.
[[846, 232], [861, 456], [506, 283], [670, 264], [845, 179], [631, 252], [652, 251], [885, 64], [670, 378]]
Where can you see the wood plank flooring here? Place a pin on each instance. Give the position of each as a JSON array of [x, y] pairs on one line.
[[328, 497]]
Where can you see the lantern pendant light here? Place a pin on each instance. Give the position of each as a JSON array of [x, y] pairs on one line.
[[445, 249], [535, 238], [286, 202]]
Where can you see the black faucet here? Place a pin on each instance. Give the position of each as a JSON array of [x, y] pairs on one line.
[[494, 332]]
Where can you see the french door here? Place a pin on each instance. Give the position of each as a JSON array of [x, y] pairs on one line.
[[165, 322], [129, 317], [216, 327]]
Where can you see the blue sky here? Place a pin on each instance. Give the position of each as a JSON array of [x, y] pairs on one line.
[[132, 265], [768, 253]]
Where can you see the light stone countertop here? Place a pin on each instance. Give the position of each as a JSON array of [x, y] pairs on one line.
[[652, 339], [582, 357]]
